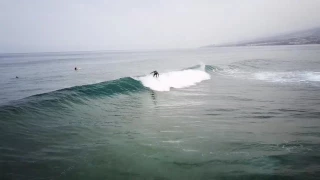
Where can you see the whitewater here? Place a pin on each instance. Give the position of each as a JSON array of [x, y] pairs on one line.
[[175, 79]]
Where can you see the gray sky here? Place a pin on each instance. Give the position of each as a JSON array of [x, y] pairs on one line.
[[71, 25]]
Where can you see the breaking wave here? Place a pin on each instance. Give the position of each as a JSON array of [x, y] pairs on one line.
[[80, 94], [175, 79]]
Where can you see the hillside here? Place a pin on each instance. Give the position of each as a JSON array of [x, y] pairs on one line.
[[311, 36]]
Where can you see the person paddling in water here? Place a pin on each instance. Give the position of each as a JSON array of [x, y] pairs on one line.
[[155, 74]]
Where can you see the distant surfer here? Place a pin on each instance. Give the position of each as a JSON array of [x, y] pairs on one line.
[[155, 73], [17, 77], [75, 68]]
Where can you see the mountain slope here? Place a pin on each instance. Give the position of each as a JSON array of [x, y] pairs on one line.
[[310, 36]]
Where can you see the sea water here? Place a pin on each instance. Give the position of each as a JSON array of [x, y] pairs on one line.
[[216, 113]]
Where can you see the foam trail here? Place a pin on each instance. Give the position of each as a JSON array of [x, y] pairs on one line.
[[288, 76], [273, 76], [313, 76], [174, 79]]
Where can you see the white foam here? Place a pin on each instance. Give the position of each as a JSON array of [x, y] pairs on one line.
[[297, 76], [313, 76], [174, 79], [274, 76]]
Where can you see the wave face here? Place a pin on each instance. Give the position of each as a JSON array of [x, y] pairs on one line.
[[175, 79], [79, 94]]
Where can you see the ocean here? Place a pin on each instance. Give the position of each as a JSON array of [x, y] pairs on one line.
[[213, 113]]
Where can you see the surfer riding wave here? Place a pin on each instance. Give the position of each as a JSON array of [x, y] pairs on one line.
[[155, 74]]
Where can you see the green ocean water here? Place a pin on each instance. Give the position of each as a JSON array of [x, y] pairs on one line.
[[220, 113]]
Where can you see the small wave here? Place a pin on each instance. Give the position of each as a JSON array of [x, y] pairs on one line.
[[172, 141], [175, 79], [190, 150], [76, 94], [171, 131]]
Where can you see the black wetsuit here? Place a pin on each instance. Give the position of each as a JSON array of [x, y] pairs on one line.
[[155, 73]]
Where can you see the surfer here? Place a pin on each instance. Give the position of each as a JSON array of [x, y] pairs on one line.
[[155, 73], [75, 68]]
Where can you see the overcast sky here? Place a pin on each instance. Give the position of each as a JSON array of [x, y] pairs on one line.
[[77, 25]]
